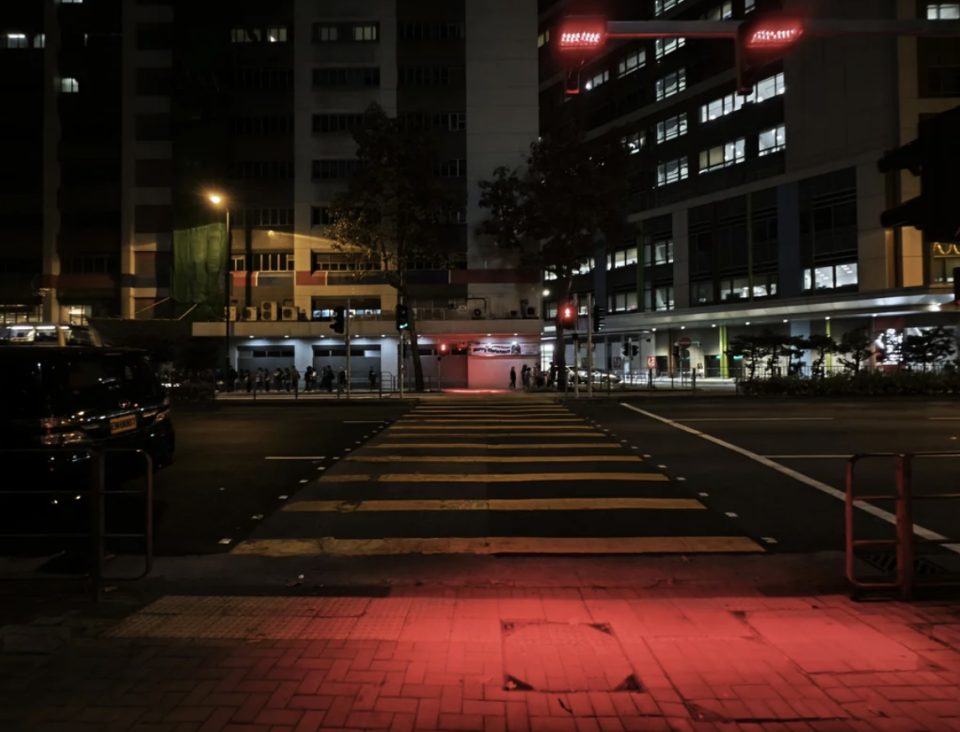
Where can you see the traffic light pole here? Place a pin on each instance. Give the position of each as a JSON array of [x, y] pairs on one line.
[[346, 337], [590, 345]]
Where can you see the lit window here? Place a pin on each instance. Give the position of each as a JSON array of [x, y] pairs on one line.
[[15, 40], [723, 156], [549, 275], [666, 46], [749, 6], [672, 127], [772, 86], [722, 107], [662, 6], [40, 41], [633, 143], [543, 39], [243, 35], [69, 86], [724, 11], [277, 34], [623, 258], [597, 80], [773, 140], [327, 33], [658, 252], [631, 62], [830, 277], [367, 33], [671, 84], [672, 171], [585, 267], [71, 2], [943, 11]]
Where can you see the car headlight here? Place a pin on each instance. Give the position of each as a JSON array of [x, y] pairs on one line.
[[64, 438]]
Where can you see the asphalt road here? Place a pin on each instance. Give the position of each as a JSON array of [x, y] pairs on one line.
[[813, 438], [227, 475]]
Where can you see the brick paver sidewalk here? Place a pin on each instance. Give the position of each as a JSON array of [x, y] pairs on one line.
[[493, 659]]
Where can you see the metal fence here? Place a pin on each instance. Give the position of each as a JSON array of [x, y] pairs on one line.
[[95, 534], [904, 542]]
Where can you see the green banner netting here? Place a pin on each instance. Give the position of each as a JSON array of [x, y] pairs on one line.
[[199, 262]]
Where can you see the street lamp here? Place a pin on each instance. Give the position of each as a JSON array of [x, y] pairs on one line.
[[219, 200]]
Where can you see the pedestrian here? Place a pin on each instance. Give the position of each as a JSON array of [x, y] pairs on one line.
[[328, 378], [232, 383], [295, 378], [552, 376], [513, 377], [342, 379], [373, 379], [266, 379], [278, 379], [309, 377]]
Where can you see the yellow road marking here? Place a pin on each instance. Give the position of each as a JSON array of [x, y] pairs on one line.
[[522, 504], [494, 459], [404, 426], [502, 545], [492, 478], [590, 433], [487, 446], [493, 420]]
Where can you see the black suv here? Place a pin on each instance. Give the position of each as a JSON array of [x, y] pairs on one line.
[[80, 398]]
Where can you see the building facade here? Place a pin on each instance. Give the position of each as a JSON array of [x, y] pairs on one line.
[[758, 211], [256, 102]]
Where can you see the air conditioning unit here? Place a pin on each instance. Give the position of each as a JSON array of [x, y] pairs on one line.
[[251, 313], [289, 312], [230, 313], [269, 311]]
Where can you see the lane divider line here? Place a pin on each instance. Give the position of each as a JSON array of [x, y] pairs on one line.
[[494, 478], [879, 513], [494, 459], [494, 446], [520, 504]]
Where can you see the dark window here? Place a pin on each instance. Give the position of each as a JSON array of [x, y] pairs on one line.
[[359, 32], [432, 31], [360, 76], [337, 122], [262, 79], [453, 169], [266, 217], [154, 82], [423, 76], [273, 125], [320, 216], [262, 169], [153, 127], [327, 169], [154, 36]]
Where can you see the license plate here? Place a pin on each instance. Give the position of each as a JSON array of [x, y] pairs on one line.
[[123, 424]]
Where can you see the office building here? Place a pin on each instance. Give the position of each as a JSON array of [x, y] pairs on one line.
[[760, 210]]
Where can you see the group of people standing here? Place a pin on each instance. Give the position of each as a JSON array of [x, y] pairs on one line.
[[530, 377], [288, 379]]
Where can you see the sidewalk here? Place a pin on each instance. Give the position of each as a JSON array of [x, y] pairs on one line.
[[654, 656]]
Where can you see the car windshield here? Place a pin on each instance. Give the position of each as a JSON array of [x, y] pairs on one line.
[[42, 383]]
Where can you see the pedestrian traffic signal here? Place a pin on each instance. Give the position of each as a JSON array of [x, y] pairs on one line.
[[761, 41], [636, 350], [567, 314], [676, 350], [403, 317], [934, 157], [599, 314], [339, 324]]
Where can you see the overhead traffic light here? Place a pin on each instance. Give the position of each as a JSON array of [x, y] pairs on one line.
[[339, 324], [933, 157], [579, 38], [403, 317], [761, 41], [599, 315]]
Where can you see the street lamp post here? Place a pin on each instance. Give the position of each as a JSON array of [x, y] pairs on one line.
[[218, 200]]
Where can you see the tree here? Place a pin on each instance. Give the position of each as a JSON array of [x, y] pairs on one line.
[[856, 347], [820, 345], [394, 212], [557, 207], [754, 348], [929, 347]]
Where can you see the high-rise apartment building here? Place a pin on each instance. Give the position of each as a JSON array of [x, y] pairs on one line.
[[762, 210], [135, 111]]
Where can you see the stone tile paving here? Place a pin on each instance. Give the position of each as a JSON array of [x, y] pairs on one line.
[[519, 660]]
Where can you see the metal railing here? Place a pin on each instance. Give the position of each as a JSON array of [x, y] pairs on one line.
[[904, 543], [96, 534]]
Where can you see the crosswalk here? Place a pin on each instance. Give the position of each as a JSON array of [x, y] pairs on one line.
[[494, 476]]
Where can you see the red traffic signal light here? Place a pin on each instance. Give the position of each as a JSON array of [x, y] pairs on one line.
[[777, 33], [761, 41], [581, 33], [443, 348], [567, 313]]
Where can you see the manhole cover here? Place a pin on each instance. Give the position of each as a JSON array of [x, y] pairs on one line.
[[564, 657]]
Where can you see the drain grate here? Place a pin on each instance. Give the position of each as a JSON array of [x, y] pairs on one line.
[[887, 562]]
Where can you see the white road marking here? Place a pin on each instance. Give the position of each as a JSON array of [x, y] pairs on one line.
[[282, 498], [682, 480], [704, 495], [367, 421], [945, 419], [808, 457], [296, 457], [304, 481], [731, 514], [757, 419], [805, 479], [225, 541], [768, 539]]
